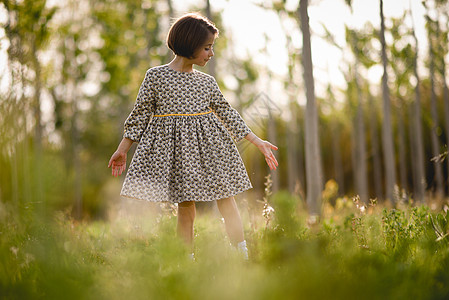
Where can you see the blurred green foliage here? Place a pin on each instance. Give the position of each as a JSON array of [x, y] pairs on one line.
[[138, 256]]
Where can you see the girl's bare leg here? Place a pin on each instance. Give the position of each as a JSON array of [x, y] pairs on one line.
[[186, 217], [233, 222]]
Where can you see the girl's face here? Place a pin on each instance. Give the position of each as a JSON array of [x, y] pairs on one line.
[[205, 52]]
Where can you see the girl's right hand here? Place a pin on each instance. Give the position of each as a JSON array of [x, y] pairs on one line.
[[118, 163], [266, 148]]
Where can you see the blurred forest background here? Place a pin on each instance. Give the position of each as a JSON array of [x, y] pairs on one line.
[[73, 69]]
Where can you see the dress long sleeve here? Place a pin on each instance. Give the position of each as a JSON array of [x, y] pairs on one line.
[[231, 119], [142, 112]]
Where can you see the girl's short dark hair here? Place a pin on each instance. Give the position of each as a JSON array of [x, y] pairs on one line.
[[189, 33]]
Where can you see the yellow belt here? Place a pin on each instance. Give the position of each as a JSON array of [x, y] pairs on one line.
[[197, 114]]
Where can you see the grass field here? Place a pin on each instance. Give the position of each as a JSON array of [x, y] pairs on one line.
[[353, 253]]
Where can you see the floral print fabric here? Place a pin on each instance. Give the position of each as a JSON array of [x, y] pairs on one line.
[[184, 152]]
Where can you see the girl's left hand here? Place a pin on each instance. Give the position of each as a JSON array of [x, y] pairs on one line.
[[266, 147]]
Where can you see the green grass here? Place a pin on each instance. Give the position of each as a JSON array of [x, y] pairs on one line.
[[383, 254]]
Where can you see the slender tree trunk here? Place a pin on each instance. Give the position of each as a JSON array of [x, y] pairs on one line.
[[377, 161], [446, 116], [361, 173], [442, 70], [292, 127], [313, 156], [419, 179], [338, 163], [445, 95], [354, 158], [291, 149], [418, 187], [435, 145], [387, 132], [402, 156], [359, 146], [401, 152], [439, 188], [301, 181]]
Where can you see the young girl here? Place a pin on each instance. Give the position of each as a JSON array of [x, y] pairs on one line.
[[184, 127]]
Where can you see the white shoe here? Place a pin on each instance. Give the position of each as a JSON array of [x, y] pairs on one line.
[[192, 257], [241, 247]]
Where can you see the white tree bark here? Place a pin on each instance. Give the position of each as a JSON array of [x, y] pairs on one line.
[[435, 144], [387, 132], [419, 179], [312, 144]]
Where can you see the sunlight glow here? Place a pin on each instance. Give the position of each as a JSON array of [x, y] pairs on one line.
[[258, 32]]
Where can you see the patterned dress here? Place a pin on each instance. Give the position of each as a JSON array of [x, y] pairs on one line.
[[185, 130]]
